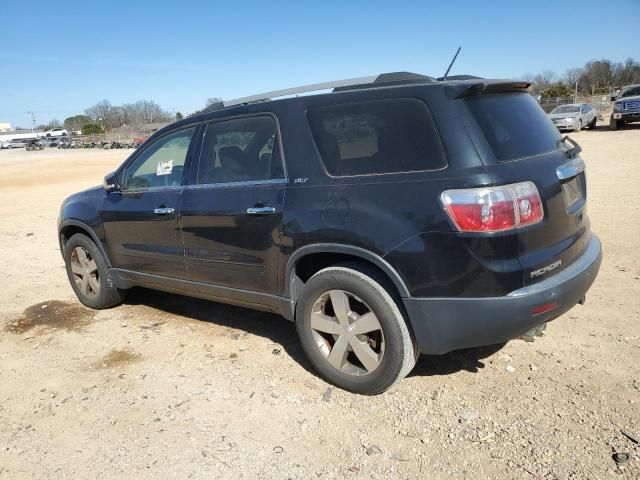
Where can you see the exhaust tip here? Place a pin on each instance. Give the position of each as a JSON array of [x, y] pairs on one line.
[[530, 335]]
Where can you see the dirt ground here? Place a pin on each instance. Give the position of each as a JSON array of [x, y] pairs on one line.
[[170, 387]]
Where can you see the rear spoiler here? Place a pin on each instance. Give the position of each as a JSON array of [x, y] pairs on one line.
[[466, 89]]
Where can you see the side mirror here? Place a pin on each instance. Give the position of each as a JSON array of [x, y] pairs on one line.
[[110, 183], [613, 98]]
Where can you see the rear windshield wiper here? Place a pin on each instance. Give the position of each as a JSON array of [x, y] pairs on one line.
[[569, 146]]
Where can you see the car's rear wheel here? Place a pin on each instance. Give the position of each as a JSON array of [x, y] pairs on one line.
[[353, 330], [89, 275]]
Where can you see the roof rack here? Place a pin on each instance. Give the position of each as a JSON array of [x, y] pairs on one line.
[[336, 85]]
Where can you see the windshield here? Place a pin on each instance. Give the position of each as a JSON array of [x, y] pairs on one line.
[[566, 109], [632, 92], [514, 125]]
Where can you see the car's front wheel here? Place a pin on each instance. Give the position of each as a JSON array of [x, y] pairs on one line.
[[89, 275], [353, 330]]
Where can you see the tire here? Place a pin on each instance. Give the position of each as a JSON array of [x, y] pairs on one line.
[[389, 352], [615, 124], [98, 291], [579, 126], [592, 125]]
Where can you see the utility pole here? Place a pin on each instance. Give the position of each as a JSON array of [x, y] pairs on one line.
[[575, 99], [33, 119]]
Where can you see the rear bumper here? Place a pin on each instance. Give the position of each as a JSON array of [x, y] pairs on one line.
[[445, 324]]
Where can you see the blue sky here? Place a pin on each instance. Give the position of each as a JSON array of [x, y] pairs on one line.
[[57, 58]]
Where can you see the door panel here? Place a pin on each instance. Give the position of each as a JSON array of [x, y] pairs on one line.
[[141, 240], [232, 214], [226, 246], [141, 222]]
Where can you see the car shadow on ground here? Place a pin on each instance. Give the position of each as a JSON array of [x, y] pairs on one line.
[[282, 332], [468, 360]]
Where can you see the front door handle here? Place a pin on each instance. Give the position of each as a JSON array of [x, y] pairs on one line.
[[163, 211], [261, 211]]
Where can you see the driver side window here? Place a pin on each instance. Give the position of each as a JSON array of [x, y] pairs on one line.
[[161, 164]]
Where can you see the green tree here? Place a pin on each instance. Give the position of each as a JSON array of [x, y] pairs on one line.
[[178, 116], [76, 122], [558, 89], [92, 129]]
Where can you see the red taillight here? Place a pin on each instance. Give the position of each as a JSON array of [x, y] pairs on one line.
[[493, 209], [544, 308]]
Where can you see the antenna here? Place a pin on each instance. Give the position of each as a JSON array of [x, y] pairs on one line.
[[451, 64]]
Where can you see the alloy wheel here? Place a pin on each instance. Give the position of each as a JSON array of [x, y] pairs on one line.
[[85, 272], [347, 332]]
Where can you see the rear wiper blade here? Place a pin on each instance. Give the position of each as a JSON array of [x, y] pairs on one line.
[[569, 146]]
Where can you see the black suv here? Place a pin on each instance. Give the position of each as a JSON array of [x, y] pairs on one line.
[[394, 215]]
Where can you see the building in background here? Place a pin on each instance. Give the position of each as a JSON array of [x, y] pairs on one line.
[[5, 127]]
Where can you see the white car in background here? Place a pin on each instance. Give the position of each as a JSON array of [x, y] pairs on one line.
[[56, 132], [574, 117]]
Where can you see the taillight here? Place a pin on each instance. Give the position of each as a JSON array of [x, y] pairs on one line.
[[493, 209]]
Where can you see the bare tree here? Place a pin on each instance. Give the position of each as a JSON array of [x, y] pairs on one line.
[[54, 123], [544, 79], [626, 73], [212, 100], [100, 112], [142, 111], [597, 76], [540, 81], [572, 76]]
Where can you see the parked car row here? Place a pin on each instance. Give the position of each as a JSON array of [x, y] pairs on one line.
[[576, 116], [103, 145], [64, 143]]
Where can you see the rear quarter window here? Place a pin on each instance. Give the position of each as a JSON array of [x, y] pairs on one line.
[[514, 125], [375, 137]]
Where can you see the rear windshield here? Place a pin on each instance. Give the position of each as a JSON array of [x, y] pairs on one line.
[[379, 136], [514, 125]]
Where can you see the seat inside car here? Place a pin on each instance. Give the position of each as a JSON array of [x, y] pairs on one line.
[[233, 165]]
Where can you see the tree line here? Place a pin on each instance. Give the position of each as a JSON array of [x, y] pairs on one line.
[[103, 116], [596, 77]]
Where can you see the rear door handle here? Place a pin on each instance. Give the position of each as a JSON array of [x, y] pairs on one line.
[[163, 211], [261, 210]]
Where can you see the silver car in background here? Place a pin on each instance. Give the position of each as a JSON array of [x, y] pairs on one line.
[[574, 116], [13, 144]]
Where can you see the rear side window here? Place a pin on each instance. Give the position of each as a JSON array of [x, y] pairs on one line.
[[514, 125], [381, 136]]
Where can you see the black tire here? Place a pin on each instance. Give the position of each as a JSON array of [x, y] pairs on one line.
[[399, 352], [107, 294], [592, 125], [615, 124]]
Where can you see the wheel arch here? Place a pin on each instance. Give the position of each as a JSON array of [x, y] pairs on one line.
[[327, 254], [70, 227]]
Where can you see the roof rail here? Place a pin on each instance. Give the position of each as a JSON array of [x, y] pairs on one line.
[[336, 85], [313, 87]]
